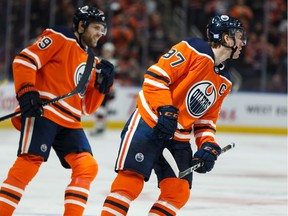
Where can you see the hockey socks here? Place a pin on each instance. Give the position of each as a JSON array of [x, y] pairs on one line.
[[174, 195], [115, 204], [84, 170], [76, 196], [162, 208], [20, 174], [126, 187]]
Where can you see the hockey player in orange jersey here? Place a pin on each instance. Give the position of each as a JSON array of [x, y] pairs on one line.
[[51, 67], [182, 94]]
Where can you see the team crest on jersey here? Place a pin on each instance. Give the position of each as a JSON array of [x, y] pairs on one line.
[[200, 98], [77, 77]]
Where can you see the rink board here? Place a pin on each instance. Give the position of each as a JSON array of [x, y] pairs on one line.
[[240, 112]]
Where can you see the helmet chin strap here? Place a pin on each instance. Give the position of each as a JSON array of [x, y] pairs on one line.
[[80, 41], [234, 49]]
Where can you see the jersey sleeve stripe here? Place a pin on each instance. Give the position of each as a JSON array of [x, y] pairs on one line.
[[27, 64], [157, 76], [182, 136], [77, 118], [34, 56], [58, 114], [204, 127], [27, 57], [155, 83], [202, 121], [63, 103], [146, 107], [202, 134], [160, 70]]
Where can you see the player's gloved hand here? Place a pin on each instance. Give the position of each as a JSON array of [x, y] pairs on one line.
[[207, 154], [29, 101], [167, 122], [104, 76]]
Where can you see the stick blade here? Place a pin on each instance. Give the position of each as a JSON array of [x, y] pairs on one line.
[[171, 161], [228, 147]]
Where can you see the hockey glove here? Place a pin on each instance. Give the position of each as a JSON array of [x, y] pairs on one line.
[[29, 101], [104, 76], [167, 122], [207, 154]]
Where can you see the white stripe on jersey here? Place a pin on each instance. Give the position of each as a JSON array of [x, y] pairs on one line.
[[203, 121], [146, 107], [39, 65], [62, 102], [20, 61], [161, 71], [202, 134], [58, 114], [155, 83]]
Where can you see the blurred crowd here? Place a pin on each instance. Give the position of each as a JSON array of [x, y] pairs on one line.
[[139, 31]]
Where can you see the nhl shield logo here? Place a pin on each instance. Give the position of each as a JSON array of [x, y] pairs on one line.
[[200, 98]]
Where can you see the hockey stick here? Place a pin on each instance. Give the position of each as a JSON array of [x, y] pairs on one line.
[[80, 86], [180, 174]]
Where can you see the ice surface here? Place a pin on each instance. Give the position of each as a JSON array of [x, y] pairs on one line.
[[250, 180]]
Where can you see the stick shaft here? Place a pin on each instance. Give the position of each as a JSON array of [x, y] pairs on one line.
[[80, 86], [200, 164]]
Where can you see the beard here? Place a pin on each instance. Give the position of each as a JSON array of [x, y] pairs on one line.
[[89, 41]]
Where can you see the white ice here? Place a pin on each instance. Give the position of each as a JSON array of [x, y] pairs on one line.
[[250, 180]]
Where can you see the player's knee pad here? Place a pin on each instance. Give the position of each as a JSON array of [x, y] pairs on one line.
[[25, 167], [83, 165], [175, 191], [128, 184]]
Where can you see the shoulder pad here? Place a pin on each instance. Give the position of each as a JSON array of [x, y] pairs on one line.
[[200, 45], [65, 31]]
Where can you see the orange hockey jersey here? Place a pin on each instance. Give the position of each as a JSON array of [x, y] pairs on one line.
[[186, 78], [54, 65]]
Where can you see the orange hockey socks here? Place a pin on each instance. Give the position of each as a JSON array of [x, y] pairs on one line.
[[126, 187], [174, 195], [20, 174], [84, 171]]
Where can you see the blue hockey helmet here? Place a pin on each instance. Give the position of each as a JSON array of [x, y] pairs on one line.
[[88, 15], [224, 24]]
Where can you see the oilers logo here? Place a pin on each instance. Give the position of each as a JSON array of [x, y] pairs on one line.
[[200, 98], [139, 157], [78, 75]]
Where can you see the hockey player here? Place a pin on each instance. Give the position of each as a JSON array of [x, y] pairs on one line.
[[182, 94], [51, 67]]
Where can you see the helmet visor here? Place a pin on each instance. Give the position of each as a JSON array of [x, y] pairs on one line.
[[241, 35]]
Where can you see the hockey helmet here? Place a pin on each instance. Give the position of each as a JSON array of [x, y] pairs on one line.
[[88, 15], [224, 24]]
